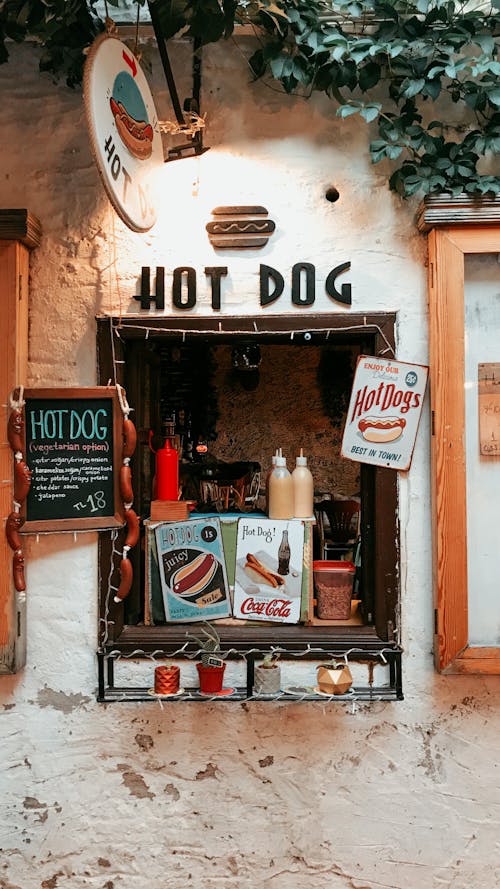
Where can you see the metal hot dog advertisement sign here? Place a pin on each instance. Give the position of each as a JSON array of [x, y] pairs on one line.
[[384, 412], [269, 564], [192, 570]]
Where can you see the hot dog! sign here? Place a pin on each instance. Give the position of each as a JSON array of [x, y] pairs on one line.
[[124, 130], [268, 577], [384, 412]]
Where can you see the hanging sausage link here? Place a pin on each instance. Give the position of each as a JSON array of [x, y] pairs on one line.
[[15, 521], [127, 495], [22, 483], [15, 427]]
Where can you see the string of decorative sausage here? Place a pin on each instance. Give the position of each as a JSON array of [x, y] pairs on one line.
[[127, 495], [22, 483]]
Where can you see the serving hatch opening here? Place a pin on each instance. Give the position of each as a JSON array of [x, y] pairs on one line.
[[182, 380]]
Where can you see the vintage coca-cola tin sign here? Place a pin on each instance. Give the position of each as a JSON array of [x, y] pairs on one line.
[[268, 578]]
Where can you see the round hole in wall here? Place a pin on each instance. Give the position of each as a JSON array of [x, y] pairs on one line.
[[332, 194]]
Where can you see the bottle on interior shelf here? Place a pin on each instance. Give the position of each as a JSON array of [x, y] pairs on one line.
[[284, 555], [268, 476], [303, 489], [280, 491]]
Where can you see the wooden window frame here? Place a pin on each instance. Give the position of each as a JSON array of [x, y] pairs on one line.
[[448, 247], [20, 232], [374, 332]]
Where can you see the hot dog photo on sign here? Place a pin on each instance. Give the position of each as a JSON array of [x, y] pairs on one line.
[[192, 570], [384, 412]]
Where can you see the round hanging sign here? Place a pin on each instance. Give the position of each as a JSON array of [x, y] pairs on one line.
[[124, 130]]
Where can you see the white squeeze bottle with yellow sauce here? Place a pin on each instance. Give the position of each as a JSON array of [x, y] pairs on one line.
[[280, 491], [303, 489]]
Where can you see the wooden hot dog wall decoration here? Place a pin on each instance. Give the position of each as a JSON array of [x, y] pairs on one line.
[[22, 482], [127, 495]]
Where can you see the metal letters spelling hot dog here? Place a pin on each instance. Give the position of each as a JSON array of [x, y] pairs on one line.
[[194, 577]]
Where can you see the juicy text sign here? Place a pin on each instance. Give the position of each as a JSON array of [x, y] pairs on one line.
[[384, 412]]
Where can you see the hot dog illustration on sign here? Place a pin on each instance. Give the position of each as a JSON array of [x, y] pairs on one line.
[[192, 570], [131, 116], [382, 429], [195, 576]]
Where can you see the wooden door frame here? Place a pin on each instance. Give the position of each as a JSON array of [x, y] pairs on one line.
[[458, 230], [19, 233]]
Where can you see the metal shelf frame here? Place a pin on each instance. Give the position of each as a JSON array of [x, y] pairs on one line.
[[109, 692]]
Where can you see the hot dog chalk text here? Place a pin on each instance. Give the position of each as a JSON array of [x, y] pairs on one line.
[[65, 423]]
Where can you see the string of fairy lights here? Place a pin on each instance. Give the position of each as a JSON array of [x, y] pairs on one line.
[[118, 326]]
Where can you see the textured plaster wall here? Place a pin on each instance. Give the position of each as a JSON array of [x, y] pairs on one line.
[[384, 796]]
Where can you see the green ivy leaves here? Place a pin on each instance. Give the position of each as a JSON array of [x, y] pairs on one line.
[[407, 67], [412, 56], [62, 27]]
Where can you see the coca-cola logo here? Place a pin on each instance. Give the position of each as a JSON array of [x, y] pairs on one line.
[[273, 608]]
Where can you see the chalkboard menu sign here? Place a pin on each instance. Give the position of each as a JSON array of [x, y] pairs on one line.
[[73, 447]]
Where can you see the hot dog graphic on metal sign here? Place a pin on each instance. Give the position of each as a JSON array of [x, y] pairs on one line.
[[192, 570], [131, 116], [195, 576]]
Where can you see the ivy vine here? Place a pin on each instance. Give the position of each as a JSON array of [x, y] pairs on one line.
[[424, 73]]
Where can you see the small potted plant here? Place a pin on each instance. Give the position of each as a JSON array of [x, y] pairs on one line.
[[211, 669], [334, 678], [268, 675]]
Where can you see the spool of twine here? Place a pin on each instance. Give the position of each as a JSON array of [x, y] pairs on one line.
[[167, 680]]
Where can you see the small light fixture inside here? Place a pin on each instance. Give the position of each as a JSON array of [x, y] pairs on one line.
[[245, 359]]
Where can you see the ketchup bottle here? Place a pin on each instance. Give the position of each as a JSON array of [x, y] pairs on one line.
[[167, 472]]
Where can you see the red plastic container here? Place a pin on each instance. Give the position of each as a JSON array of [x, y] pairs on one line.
[[333, 584]]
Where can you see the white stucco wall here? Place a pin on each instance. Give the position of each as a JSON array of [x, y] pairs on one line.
[[277, 795]]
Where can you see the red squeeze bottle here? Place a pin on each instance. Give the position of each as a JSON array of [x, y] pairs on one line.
[[167, 472]]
